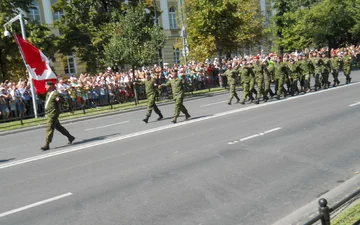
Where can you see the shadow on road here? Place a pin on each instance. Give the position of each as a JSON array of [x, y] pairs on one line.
[[84, 141], [6, 160]]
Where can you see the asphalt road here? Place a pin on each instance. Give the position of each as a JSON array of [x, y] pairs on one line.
[[251, 164]]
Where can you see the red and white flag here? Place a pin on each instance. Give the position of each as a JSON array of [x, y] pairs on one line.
[[37, 64]]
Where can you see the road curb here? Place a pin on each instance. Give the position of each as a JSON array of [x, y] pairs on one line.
[[67, 121], [311, 209]]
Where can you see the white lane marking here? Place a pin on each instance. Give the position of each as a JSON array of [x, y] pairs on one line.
[[35, 204], [110, 140], [252, 136], [213, 103], [110, 125], [358, 103], [255, 135], [272, 130]]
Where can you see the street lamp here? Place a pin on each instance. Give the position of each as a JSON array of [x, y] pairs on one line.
[[6, 33], [23, 34]]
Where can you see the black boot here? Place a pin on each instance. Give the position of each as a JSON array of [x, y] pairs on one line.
[[71, 139], [174, 120], [257, 101], [187, 116], [266, 99], [238, 100], [45, 147], [160, 117], [146, 120]]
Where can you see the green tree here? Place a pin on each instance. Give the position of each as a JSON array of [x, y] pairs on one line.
[[87, 26], [324, 23], [11, 63], [222, 26], [135, 39]]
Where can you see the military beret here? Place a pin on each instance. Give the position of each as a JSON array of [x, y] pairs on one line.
[[49, 83]]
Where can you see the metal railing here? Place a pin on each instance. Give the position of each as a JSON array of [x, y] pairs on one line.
[[325, 211]]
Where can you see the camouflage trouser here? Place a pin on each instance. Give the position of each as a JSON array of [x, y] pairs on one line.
[[179, 106], [252, 86], [307, 81], [267, 88], [233, 93], [52, 124], [259, 84], [246, 87], [152, 105], [317, 81], [280, 86], [335, 74], [347, 72], [325, 80]]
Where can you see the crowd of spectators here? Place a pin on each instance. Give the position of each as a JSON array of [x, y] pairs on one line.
[[94, 90]]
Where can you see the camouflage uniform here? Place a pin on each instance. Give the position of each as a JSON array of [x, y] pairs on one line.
[[231, 75], [325, 72], [317, 62], [335, 66], [177, 86], [52, 112], [259, 79], [347, 68], [150, 94]]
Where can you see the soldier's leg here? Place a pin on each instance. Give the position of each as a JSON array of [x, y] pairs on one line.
[[50, 127], [62, 130], [336, 77], [246, 91], [231, 92], [317, 84], [252, 88], [181, 107], [326, 80], [260, 91], [280, 87]]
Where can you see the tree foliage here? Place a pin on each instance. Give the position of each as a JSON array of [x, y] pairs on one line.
[[316, 24], [222, 26], [135, 39], [87, 26], [11, 63]]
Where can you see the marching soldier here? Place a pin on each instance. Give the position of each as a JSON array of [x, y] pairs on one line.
[[335, 66], [325, 70], [259, 78], [294, 74], [317, 62], [52, 111], [150, 84], [177, 87], [281, 71], [347, 66], [231, 75], [267, 71], [247, 73]]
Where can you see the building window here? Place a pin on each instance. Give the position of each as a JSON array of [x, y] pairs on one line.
[[70, 67], [34, 12], [172, 18], [177, 56], [57, 15]]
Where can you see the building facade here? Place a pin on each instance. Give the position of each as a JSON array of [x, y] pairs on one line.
[[42, 12]]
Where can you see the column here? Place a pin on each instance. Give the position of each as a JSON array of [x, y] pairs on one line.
[[48, 13], [165, 14]]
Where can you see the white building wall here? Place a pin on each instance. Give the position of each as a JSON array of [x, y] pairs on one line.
[[48, 14]]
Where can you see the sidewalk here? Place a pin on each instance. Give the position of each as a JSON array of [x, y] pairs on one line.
[[310, 210]]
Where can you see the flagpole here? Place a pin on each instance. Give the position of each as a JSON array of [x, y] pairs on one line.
[[33, 95]]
